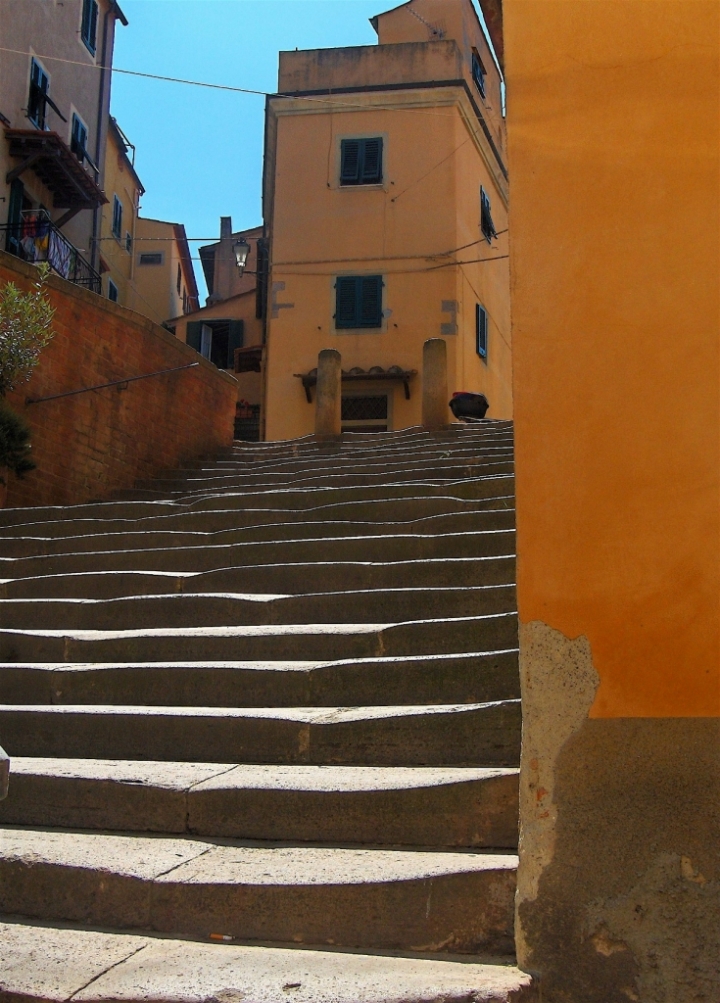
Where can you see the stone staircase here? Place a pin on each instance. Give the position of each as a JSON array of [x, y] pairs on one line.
[[264, 725]]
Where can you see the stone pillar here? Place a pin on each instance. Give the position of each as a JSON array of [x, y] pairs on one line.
[[4, 774], [435, 411], [328, 397]]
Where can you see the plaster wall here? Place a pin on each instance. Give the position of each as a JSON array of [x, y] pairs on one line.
[[154, 291], [121, 180], [53, 30], [613, 150]]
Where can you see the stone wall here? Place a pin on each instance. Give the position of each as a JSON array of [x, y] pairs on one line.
[[89, 445]]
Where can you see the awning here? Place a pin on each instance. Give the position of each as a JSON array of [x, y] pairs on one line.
[[248, 360], [57, 167], [391, 374]]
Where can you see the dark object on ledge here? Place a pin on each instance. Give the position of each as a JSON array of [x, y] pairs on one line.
[[469, 407]]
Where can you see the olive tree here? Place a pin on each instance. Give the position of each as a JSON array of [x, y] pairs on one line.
[[25, 329]]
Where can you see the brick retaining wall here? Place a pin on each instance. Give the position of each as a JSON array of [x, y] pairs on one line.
[[87, 446]]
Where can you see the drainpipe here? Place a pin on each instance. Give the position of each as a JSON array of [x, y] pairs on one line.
[[95, 251]]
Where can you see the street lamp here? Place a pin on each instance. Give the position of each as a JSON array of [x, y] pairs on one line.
[[241, 249]]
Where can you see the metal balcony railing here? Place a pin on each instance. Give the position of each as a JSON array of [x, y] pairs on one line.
[[36, 238]]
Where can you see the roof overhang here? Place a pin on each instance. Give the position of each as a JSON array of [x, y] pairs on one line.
[[56, 166], [393, 374]]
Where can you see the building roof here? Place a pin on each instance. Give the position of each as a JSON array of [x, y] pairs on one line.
[[122, 141]]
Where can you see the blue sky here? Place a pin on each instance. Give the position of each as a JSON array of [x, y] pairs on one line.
[[199, 151]]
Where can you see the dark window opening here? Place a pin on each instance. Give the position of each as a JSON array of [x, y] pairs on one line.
[[365, 414], [117, 217], [151, 258], [78, 138], [88, 26], [478, 73], [128, 242], [37, 99], [361, 161], [481, 331], [358, 301], [486, 221], [216, 340], [112, 291], [178, 281]]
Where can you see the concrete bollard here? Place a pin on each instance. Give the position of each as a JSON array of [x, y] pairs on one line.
[[435, 385], [328, 396]]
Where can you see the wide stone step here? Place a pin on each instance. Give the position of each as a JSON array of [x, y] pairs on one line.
[[358, 898], [293, 579], [208, 557], [370, 511], [345, 460], [419, 806], [331, 475], [467, 677], [318, 641], [272, 532], [489, 487], [213, 610], [53, 964], [485, 734]]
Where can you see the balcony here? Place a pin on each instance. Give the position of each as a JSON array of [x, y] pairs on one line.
[[36, 238]]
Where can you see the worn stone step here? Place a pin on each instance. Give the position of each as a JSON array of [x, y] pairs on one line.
[[486, 734], [415, 806], [50, 964], [375, 510], [215, 610], [473, 488], [278, 641], [490, 487], [293, 579], [467, 677], [343, 460], [208, 557], [271, 532], [331, 475], [359, 898]]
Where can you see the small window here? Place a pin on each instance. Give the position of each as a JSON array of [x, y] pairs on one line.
[[112, 291], [486, 221], [78, 138], [88, 26], [151, 258], [358, 301], [117, 217], [37, 99], [478, 73], [365, 413], [178, 280], [361, 161], [128, 242], [481, 331]]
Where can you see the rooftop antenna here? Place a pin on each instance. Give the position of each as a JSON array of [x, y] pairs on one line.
[[435, 33]]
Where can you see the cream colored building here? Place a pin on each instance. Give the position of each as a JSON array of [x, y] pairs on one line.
[[54, 102], [119, 220], [164, 285], [386, 206]]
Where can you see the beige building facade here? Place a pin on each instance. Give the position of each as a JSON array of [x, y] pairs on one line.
[[54, 111]]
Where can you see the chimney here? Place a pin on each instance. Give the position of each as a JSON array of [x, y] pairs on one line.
[[225, 227]]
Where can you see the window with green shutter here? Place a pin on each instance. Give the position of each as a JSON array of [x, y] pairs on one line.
[[358, 301], [361, 161], [88, 25]]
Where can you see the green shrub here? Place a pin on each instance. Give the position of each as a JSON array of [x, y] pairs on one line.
[[25, 329], [14, 443]]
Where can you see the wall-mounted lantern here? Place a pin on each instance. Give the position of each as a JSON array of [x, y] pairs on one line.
[[241, 249]]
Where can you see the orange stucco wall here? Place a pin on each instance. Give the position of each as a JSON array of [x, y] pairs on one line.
[[613, 146]]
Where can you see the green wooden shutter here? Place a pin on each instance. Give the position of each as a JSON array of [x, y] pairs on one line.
[[370, 314], [481, 331], [349, 161], [236, 335], [372, 161], [194, 334], [346, 301]]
